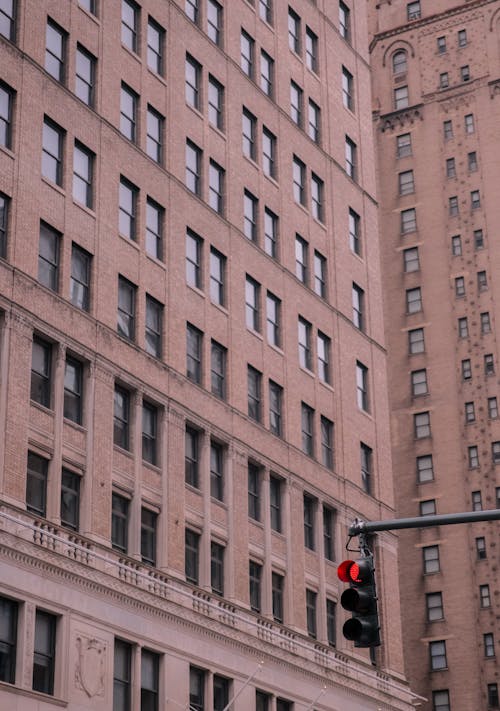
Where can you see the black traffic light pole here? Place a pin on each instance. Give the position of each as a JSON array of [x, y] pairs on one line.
[[359, 527]]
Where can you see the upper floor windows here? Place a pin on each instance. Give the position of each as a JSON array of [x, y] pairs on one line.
[[55, 50], [130, 25], [156, 46], [129, 103], [311, 50], [85, 64], [6, 104], [214, 21], [8, 19], [52, 151], [344, 21], [401, 97], [399, 62], [413, 10], [294, 23], [351, 159], [266, 73], [403, 145], [247, 52], [4, 221]]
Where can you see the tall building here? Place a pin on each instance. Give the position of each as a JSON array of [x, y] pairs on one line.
[[436, 70], [193, 395]]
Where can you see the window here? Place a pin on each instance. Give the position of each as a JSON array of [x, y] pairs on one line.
[[247, 54], [434, 605], [248, 125], [327, 442], [266, 73], [255, 575], [481, 548], [196, 689], [85, 64], [473, 457], [8, 635], [277, 589], [347, 89], [119, 522], [444, 81], [217, 568], [311, 599], [438, 655], [422, 424], [401, 99], [447, 130], [465, 73], [441, 45], [252, 304], [328, 535], [73, 390], [441, 701], [36, 484], [55, 50], [217, 274], [154, 229], [477, 504], [130, 25], [403, 145], [427, 508], [366, 456], [275, 408], [296, 103], [149, 433], [192, 457], [478, 239], [456, 245], [472, 161], [214, 21], [319, 275], [399, 62], [469, 123], [419, 383], [406, 182], [293, 31], [344, 21], [52, 151], [126, 308], [254, 383], [489, 364], [411, 261], [273, 313], [299, 180], [215, 103], [6, 103], [41, 372], [323, 353], [265, 11], [493, 699], [311, 50], [218, 358], [307, 429], [313, 121], [216, 471], [156, 46], [301, 259], [154, 137], [83, 161], [453, 206], [270, 233], [148, 536], [309, 512], [408, 221], [262, 701], [122, 680], [484, 595], [127, 209], [416, 343], [254, 479], [193, 168], [194, 339], [413, 300], [317, 191], [492, 408], [358, 307], [121, 418], [362, 386], [250, 212], [268, 153], [275, 502], [8, 20], [450, 168], [216, 187], [129, 102], [425, 468], [192, 10], [331, 622], [44, 652], [466, 369], [470, 414], [489, 645], [221, 692], [194, 247], [351, 158], [354, 232], [431, 559], [413, 10], [462, 38], [150, 664], [475, 200], [193, 79], [88, 5], [48, 256], [304, 338], [192, 556]]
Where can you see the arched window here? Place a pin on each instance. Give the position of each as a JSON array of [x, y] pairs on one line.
[[399, 62]]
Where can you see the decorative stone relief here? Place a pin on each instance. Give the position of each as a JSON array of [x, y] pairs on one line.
[[90, 667]]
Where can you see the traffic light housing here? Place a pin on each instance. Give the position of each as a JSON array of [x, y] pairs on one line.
[[361, 599]]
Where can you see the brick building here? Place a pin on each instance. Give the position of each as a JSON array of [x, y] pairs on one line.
[[436, 69], [192, 387]]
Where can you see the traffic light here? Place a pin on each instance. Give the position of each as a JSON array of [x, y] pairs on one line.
[[360, 599]]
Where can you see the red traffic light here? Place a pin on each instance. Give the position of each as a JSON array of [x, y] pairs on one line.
[[348, 572]]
